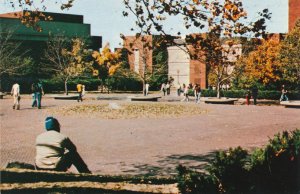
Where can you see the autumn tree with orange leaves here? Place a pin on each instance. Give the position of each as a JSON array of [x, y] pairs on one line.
[[107, 62], [261, 65], [219, 19]]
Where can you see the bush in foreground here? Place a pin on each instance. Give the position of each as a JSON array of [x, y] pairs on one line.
[[273, 169]]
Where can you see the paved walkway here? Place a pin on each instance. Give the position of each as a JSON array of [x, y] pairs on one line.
[[143, 146]]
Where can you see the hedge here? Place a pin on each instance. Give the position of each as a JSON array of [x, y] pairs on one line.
[[58, 85], [272, 95]]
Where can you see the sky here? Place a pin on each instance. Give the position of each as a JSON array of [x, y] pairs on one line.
[[106, 18]]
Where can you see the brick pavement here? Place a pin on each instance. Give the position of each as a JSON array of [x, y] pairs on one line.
[[144, 146]]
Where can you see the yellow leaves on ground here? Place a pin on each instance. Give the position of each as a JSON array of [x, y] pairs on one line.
[[131, 110]]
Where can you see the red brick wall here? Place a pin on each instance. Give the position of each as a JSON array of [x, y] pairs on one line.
[[198, 73], [294, 12], [197, 69], [131, 43]]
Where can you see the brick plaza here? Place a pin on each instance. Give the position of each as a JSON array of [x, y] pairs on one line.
[[143, 146]]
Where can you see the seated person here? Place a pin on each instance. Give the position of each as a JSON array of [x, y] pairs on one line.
[[55, 151]]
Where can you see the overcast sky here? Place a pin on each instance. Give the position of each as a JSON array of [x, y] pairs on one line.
[[106, 19]]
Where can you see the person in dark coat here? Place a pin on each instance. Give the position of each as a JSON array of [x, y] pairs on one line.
[[254, 94]]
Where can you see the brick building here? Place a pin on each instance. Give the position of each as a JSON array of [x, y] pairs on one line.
[[178, 59], [139, 49], [294, 13], [180, 66]]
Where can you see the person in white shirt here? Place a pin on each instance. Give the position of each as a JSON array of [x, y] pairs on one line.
[[146, 89], [15, 92]]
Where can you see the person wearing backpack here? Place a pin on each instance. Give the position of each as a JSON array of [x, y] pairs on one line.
[[37, 89]]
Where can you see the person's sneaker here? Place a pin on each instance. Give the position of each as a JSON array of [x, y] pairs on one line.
[[18, 107], [39, 107], [13, 107]]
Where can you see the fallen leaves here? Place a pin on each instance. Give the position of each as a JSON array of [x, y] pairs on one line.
[[130, 110]]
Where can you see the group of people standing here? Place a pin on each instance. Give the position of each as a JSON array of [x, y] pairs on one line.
[[37, 93], [183, 89], [253, 93], [196, 89], [166, 88]]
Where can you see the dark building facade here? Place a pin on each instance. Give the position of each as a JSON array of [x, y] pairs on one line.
[[31, 43], [67, 25]]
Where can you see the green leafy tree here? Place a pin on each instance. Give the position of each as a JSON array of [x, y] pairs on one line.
[[289, 56]]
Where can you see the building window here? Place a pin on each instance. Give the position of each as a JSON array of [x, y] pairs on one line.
[[136, 60]]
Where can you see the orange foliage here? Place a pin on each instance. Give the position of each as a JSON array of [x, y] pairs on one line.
[[107, 58], [261, 64]]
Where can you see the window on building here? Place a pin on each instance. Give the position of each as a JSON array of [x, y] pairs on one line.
[[136, 60]]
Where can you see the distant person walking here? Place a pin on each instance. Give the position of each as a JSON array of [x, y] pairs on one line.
[[248, 97], [55, 151], [254, 94], [168, 87], [197, 91], [15, 92], [178, 89], [185, 93], [163, 88], [79, 91], [38, 92], [284, 92]]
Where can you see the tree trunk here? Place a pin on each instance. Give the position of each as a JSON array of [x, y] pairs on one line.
[[218, 90], [144, 87], [66, 87]]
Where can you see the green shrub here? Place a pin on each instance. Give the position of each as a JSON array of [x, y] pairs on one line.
[[276, 168], [273, 169], [195, 182], [209, 93], [54, 85], [272, 95], [227, 166]]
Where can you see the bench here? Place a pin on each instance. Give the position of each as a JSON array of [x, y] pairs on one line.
[[219, 101], [66, 97], [2, 95], [291, 104], [144, 98]]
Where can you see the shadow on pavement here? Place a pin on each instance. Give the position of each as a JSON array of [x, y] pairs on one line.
[[167, 166]]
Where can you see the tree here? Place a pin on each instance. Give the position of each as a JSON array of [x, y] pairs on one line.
[[67, 58], [220, 19], [12, 60], [261, 65], [107, 62], [289, 56]]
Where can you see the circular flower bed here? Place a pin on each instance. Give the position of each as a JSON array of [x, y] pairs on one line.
[[130, 110]]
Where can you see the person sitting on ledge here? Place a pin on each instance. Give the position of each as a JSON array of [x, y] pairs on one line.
[[55, 151]]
